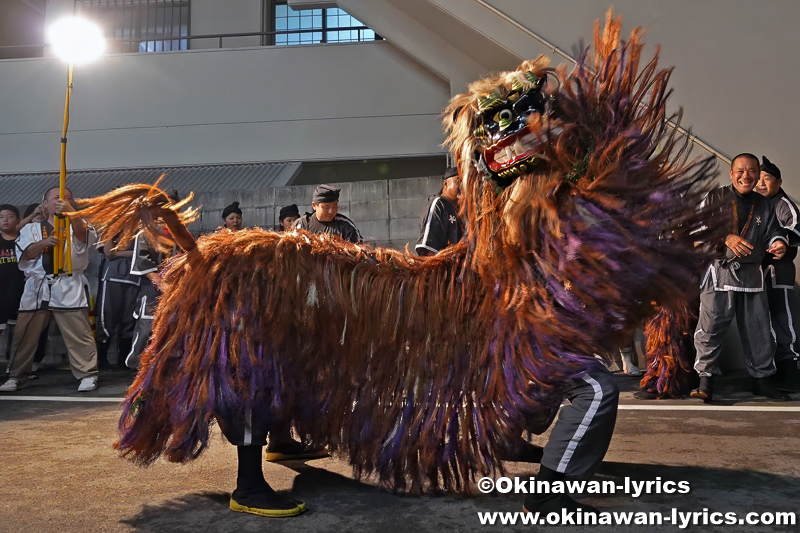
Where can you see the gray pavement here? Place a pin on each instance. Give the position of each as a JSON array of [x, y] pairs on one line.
[[59, 472]]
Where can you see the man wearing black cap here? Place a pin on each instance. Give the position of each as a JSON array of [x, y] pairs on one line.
[[287, 217], [733, 286], [326, 217], [232, 217], [780, 275], [441, 226]]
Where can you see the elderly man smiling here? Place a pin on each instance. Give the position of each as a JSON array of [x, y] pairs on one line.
[[733, 286]]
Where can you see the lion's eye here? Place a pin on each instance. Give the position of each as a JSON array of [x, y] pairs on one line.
[[503, 118]]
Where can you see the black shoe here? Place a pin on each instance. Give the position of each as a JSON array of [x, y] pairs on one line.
[[762, 387], [522, 451], [787, 378], [706, 389], [265, 502], [645, 395], [552, 503], [293, 450]]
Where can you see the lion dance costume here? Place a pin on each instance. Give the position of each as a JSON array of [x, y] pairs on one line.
[[581, 218]]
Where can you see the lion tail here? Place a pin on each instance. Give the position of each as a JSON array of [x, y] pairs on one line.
[[125, 211], [668, 356]]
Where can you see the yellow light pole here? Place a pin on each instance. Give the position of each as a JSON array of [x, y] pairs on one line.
[[76, 41]]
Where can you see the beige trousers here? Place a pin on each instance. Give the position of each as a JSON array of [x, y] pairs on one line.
[[76, 331]]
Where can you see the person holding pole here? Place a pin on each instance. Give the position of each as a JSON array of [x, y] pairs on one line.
[[50, 293]]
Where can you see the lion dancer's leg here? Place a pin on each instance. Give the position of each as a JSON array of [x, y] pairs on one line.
[[253, 494], [121, 212], [580, 438]]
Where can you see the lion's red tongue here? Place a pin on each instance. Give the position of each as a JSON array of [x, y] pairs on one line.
[[512, 149]]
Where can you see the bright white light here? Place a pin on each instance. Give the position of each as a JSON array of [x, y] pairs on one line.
[[76, 40]]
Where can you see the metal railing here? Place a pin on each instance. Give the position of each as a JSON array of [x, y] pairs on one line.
[[219, 37], [693, 139], [263, 34]]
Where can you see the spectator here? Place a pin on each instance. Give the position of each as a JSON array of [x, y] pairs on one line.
[[441, 226], [117, 294], [232, 217], [287, 217], [628, 366], [780, 274], [146, 262], [33, 213], [48, 293], [12, 280], [733, 286], [326, 217]]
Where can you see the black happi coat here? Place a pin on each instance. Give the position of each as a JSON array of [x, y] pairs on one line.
[[441, 227], [753, 218], [340, 225]]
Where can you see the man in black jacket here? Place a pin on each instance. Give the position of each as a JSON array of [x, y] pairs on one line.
[[326, 217], [441, 226], [733, 286]]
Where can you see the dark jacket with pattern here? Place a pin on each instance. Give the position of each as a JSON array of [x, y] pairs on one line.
[[757, 225]]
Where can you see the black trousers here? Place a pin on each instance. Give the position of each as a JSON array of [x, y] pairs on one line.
[[581, 435], [113, 312], [751, 311], [782, 308]]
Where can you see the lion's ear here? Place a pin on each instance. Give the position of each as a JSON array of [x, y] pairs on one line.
[[456, 111]]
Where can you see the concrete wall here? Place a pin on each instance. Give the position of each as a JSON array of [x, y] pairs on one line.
[[302, 103], [386, 212], [21, 27]]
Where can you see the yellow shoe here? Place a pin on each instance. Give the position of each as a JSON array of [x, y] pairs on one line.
[[274, 506]]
